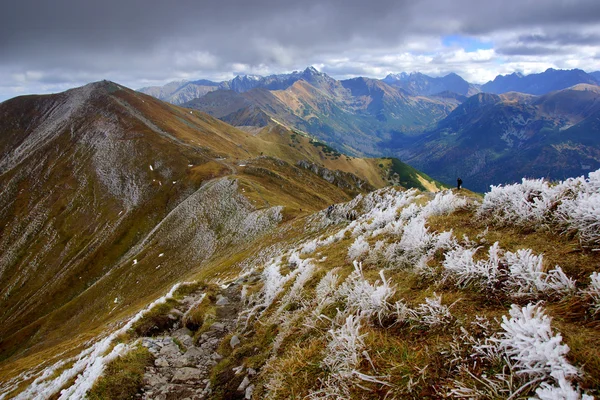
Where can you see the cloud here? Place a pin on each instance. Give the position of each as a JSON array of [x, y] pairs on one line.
[[48, 46]]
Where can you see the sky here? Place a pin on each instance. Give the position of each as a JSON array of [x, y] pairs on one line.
[[50, 46]]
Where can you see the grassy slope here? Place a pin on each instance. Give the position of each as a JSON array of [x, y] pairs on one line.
[[73, 304], [414, 359], [49, 313]]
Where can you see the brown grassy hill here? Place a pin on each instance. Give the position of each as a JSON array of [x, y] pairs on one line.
[[110, 196]]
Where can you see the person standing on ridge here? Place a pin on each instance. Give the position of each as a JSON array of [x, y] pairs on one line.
[[458, 183]]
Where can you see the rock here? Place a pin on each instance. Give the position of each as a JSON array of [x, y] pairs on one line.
[[238, 370], [251, 372], [182, 332], [193, 353], [170, 350], [183, 361], [217, 326], [186, 374], [216, 356], [244, 384], [249, 391], [161, 362], [176, 312], [234, 342], [154, 380], [222, 301]]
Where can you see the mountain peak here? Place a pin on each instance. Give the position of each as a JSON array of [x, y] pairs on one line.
[[311, 71]]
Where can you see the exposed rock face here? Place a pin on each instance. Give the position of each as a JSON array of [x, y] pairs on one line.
[[344, 180]]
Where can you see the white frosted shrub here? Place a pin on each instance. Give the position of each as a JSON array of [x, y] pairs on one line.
[[562, 391], [304, 271], [345, 347], [571, 206], [416, 237], [529, 341], [369, 300], [517, 204], [326, 286], [433, 313], [581, 216], [524, 278], [358, 248], [443, 203], [527, 278], [460, 266], [532, 355], [273, 282], [593, 291], [309, 247], [409, 212], [344, 353]]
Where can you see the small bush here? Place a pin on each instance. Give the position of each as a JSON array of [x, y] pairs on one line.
[[155, 321]]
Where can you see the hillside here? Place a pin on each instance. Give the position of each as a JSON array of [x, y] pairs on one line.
[[396, 294], [491, 139], [110, 196]]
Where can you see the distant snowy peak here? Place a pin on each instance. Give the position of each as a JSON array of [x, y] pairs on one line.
[[402, 76]]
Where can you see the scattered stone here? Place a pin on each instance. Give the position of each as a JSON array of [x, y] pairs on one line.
[[217, 326], [183, 373], [244, 384], [238, 370], [249, 391], [251, 372], [161, 362], [186, 374]]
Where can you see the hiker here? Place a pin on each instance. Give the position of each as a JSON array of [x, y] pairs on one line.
[[458, 183]]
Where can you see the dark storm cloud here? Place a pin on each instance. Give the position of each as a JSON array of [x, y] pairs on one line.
[[566, 38], [141, 41], [519, 50]]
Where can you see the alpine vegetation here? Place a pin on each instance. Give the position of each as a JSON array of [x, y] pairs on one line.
[[385, 296], [366, 299], [569, 207], [519, 275]]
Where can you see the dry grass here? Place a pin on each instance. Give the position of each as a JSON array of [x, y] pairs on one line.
[[123, 377]]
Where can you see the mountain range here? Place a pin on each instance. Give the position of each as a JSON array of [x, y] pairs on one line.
[[414, 83], [351, 115], [540, 126], [539, 84], [492, 139]]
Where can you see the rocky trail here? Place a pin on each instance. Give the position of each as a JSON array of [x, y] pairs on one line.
[[182, 365]]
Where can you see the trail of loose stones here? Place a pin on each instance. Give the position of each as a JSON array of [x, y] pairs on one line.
[[181, 367]]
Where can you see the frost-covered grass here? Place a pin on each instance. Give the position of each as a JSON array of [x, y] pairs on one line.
[[593, 291], [89, 364], [381, 303], [530, 354], [348, 313], [519, 275], [366, 299], [571, 206]]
